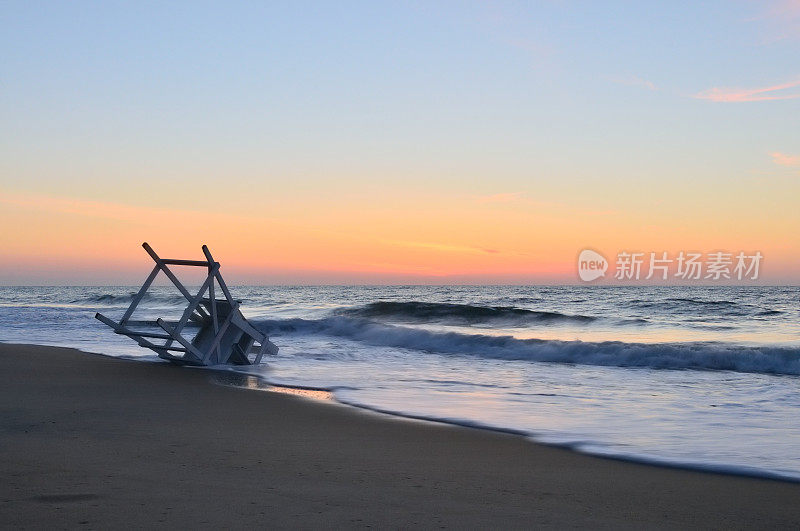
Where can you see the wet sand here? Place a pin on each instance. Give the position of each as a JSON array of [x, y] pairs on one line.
[[95, 442]]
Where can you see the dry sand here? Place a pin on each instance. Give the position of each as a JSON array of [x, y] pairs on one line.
[[95, 442]]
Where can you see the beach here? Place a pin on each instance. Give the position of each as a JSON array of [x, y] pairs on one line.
[[96, 442]]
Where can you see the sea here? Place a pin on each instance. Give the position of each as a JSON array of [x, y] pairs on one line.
[[685, 376]]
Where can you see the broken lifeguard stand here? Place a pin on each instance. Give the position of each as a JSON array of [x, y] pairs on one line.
[[224, 335]]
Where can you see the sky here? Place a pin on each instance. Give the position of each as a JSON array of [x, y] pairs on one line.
[[395, 142]]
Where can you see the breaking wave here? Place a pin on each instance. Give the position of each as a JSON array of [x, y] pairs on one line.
[[448, 313], [698, 356]]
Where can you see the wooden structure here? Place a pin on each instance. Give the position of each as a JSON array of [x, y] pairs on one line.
[[221, 333]]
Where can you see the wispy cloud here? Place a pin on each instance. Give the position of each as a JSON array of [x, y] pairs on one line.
[[782, 18], [785, 160], [634, 81], [738, 95]]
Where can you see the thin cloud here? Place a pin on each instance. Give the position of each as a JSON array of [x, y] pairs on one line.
[[782, 20], [785, 160], [738, 95]]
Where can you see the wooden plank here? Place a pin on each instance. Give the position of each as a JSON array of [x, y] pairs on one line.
[[176, 349], [193, 302], [197, 318], [212, 296], [268, 347], [234, 304], [259, 355], [202, 312], [221, 282], [190, 349], [247, 328], [140, 323], [138, 297], [220, 334], [139, 333], [175, 261], [238, 354], [214, 316], [167, 271], [125, 331], [179, 360], [191, 324], [174, 279]]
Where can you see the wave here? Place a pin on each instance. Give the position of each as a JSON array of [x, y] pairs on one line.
[[702, 302], [450, 313], [689, 306], [697, 356], [114, 299]]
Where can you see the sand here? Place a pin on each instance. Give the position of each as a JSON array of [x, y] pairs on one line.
[[93, 442]]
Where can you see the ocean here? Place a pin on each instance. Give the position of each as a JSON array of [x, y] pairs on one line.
[[699, 377]]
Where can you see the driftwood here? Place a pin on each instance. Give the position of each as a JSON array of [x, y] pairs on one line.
[[224, 335]]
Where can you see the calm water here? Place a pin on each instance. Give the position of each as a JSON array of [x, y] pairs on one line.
[[692, 376]]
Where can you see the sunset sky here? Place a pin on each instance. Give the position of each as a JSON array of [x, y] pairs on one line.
[[395, 142]]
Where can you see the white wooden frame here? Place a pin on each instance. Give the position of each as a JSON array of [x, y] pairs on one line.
[[225, 336]]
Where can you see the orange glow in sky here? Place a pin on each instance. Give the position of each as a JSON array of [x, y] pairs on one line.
[[401, 143], [465, 239]]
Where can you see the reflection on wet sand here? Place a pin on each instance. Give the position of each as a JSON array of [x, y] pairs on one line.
[[253, 382]]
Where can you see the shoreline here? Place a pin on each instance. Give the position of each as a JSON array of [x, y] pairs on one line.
[[259, 382], [92, 439], [329, 395]]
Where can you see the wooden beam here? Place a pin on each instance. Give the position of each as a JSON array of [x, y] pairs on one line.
[[138, 297], [167, 271], [221, 282], [267, 347], [241, 354], [139, 333], [176, 349], [193, 302], [121, 329], [174, 261], [214, 316], [202, 312], [218, 337], [190, 349], [197, 318], [153, 323], [247, 328]]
